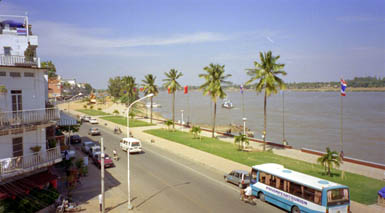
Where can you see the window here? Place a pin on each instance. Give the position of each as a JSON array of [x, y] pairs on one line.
[[29, 74], [7, 50], [17, 144], [338, 196], [236, 174], [262, 177], [15, 74], [254, 176], [3, 74], [295, 189]]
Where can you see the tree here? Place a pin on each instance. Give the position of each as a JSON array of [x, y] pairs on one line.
[[115, 112], [241, 139], [50, 67], [214, 78], [88, 88], [330, 158], [129, 89], [267, 72], [172, 85], [115, 86], [169, 123], [150, 87], [196, 130]]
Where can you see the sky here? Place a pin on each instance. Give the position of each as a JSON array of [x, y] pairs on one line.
[[317, 40]]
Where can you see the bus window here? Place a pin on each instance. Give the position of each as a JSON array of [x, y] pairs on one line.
[[273, 181], [317, 197], [338, 197], [254, 176], [262, 177], [295, 189]]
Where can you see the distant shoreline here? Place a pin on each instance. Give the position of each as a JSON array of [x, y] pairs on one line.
[[351, 89]]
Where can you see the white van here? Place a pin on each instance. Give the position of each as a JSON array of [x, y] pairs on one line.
[[133, 144]]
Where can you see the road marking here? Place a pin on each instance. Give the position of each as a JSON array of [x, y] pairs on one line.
[[195, 171]]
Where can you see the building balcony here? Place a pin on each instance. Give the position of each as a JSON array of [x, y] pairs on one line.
[[11, 167], [18, 61], [14, 119]]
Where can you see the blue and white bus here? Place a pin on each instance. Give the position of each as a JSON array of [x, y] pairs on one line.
[[298, 192]]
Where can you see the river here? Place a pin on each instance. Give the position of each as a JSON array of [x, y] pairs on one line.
[[312, 119]]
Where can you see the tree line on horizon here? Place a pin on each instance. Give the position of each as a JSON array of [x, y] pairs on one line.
[[264, 77]]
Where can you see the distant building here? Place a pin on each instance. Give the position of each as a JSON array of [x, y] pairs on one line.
[[26, 119], [54, 88]]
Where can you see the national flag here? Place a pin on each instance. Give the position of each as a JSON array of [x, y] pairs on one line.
[[141, 89], [185, 89], [241, 87], [134, 89], [343, 87], [168, 90], [21, 31]]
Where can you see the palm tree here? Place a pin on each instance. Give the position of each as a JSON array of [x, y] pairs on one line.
[[266, 71], [150, 87], [172, 85], [330, 158], [129, 89], [214, 77], [242, 140], [169, 123], [196, 130]]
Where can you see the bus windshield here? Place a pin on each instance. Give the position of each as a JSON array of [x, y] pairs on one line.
[[338, 197]]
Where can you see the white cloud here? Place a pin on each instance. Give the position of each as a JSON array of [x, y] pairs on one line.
[[59, 38]]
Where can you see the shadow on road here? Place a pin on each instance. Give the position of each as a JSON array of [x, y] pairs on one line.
[[160, 191]]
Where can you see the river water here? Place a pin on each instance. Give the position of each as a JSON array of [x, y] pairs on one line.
[[312, 119]]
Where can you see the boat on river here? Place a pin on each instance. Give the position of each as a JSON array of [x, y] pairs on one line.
[[227, 104]]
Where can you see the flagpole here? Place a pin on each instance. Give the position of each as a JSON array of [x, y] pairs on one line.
[[341, 129]]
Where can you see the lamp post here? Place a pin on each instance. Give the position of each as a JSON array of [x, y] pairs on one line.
[[182, 118], [244, 125], [264, 137], [128, 150]]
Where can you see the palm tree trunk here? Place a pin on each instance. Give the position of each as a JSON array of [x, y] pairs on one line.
[[151, 111], [264, 121], [215, 114], [173, 110]]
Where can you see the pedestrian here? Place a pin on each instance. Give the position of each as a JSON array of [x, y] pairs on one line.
[[100, 202], [115, 155]]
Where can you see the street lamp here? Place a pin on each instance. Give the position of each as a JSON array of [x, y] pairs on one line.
[[128, 150], [182, 118], [244, 125]]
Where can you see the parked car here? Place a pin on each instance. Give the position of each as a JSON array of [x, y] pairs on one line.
[[86, 146], [94, 131], [132, 144], [75, 139], [93, 150], [93, 121], [240, 178], [108, 162], [68, 153], [86, 118]]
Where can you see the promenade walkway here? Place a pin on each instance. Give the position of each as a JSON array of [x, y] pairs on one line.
[[224, 165]]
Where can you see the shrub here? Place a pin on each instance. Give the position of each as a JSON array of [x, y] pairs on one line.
[[100, 109], [85, 106], [91, 107]]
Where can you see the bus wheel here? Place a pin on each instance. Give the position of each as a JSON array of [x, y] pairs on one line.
[[261, 196], [295, 209]]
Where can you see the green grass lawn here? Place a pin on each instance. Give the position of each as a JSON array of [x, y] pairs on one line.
[[92, 112], [362, 189], [123, 121]]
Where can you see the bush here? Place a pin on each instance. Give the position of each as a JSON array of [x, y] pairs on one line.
[[85, 106], [91, 107], [100, 109], [51, 143]]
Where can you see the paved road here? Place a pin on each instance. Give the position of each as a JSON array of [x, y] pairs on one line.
[[162, 182]]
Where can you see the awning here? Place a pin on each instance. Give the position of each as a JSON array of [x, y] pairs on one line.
[[25, 185], [66, 120]]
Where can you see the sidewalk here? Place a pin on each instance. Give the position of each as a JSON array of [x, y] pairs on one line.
[[224, 165]]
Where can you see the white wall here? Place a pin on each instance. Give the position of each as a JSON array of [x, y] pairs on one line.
[[30, 139], [34, 92], [17, 43]]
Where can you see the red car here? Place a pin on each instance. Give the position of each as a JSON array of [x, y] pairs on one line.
[[108, 162]]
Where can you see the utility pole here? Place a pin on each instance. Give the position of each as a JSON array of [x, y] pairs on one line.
[[102, 173]]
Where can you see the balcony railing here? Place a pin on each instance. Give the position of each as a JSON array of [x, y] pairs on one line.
[[19, 61], [10, 167], [25, 117]]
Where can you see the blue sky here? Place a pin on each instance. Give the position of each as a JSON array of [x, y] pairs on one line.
[[317, 40]]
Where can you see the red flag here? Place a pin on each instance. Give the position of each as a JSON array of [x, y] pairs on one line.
[[141, 89], [134, 89], [185, 89], [169, 90]]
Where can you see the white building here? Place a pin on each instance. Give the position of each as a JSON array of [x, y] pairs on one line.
[[25, 116]]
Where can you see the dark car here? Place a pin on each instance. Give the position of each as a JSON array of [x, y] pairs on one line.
[[240, 178], [75, 139]]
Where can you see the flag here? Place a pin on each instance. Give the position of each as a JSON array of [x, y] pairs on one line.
[[185, 89], [141, 89], [134, 89], [241, 87], [343, 87], [169, 90]]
